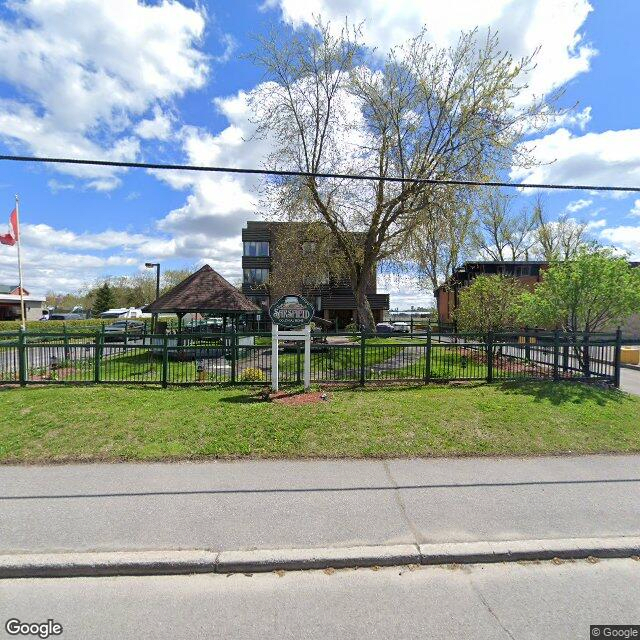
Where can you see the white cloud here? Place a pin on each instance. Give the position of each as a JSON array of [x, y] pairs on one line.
[[230, 47], [65, 271], [405, 291], [219, 205], [577, 205], [624, 237], [159, 127], [596, 224], [45, 236], [87, 69], [56, 185], [607, 158], [635, 210], [522, 25]]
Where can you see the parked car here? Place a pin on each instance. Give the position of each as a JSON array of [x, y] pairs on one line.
[[66, 316], [125, 312], [211, 325], [401, 327], [384, 327], [117, 330]]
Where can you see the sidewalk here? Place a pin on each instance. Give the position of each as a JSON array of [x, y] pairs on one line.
[[630, 380], [248, 505]]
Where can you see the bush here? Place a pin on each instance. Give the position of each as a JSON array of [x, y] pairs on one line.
[[252, 375], [352, 327], [59, 326]]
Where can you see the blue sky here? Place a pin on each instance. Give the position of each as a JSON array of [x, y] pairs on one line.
[[166, 81]]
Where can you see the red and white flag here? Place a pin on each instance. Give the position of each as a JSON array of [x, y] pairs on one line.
[[14, 235]]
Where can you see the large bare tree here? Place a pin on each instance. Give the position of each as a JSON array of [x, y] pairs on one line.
[[558, 240], [329, 105], [444, 240], [500, 232]]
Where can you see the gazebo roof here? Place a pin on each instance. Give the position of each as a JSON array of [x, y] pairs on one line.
[[204, 291]]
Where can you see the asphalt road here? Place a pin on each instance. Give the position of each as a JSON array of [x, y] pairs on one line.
[[488, 602], [320, 503]]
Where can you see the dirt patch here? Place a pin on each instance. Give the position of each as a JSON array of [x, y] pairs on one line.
[[61, 374], [296, 399]]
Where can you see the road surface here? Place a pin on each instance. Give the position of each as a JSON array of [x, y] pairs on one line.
[[488, 602]]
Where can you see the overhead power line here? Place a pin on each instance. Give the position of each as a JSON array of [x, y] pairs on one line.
[[309, 174]]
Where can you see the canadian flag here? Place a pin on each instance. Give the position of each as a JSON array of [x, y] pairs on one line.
[[13, 236]]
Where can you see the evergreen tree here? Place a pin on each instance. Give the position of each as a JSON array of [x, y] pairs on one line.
[[104, 299]]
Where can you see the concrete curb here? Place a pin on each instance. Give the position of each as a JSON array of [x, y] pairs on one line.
[[129, 563], [519, 550], [149, 563], [297, 559]]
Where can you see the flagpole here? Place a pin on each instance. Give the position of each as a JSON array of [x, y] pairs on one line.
[[20, 265]]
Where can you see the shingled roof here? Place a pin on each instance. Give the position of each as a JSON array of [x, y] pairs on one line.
[[204, 291]]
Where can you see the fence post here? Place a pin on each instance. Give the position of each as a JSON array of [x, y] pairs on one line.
[[427, 366], [65, 339], [234, 344], [586, 356], [617, 353], [165, 359], [98, 355], [22, 360], [490, 356], [362, 356], [556, 354], [298, 375], [527, 343]]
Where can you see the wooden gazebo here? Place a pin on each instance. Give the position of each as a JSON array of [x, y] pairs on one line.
[[204, 292]]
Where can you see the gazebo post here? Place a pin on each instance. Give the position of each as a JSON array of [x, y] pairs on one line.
[[180, 316]]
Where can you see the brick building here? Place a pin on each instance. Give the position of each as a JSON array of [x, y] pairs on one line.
[[446, 295]]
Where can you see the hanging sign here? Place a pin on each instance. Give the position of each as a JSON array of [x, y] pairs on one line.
[[291, 311]]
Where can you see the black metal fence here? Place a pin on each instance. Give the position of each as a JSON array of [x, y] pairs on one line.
[[212, 358]]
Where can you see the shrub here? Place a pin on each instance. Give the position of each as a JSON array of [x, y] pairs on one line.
[[352, 327], [252, 375]]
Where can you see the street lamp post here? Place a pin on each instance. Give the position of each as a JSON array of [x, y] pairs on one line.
[[149, 265]]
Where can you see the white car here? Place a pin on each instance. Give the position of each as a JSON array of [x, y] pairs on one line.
[[401, 327]]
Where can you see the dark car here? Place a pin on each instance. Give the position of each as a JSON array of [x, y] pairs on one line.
[[118, 330], [384, 327]]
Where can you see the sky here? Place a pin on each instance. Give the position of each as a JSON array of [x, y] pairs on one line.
[[167, 81]]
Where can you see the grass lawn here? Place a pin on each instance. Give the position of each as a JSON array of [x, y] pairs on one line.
[[40, 424]]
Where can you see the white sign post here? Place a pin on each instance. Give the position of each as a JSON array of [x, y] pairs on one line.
[[300, 334]]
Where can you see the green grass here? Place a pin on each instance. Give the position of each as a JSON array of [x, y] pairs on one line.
[[40, 424]]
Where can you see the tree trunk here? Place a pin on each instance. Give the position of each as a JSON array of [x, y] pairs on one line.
[[365, 315]]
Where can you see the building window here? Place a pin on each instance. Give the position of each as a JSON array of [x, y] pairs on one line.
[[523, 271], [255, 276], [308, 249], [256, 249]]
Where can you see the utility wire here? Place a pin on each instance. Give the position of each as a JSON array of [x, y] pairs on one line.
[[309, 174]]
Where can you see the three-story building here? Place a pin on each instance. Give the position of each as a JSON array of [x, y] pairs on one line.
[[272, 260]]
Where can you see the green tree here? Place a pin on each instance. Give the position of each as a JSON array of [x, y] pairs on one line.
[[489, 303], [592, 292], [104, 299]]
